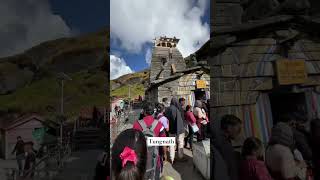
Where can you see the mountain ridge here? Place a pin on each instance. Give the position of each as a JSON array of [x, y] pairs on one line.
[[28, 81]]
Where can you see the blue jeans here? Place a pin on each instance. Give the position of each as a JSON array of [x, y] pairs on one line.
[[20, 158]]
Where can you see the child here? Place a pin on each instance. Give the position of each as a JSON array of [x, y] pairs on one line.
[[252, 167], [129, 156], [30, 160], [160, 109], [165, 123]]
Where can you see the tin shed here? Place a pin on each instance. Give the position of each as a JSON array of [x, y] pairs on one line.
[[23, 126]]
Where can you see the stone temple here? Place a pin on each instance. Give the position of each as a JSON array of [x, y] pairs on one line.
[[171, 77], [263, 65]]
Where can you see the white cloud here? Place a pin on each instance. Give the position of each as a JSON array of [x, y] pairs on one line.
[[137, 22], [148, 56], [27, 23], [118, 67]]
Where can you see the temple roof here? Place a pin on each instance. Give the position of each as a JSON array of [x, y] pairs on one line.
[[175, 76], [224, 37]]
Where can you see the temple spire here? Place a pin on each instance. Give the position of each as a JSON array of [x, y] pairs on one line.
[[164, 41]]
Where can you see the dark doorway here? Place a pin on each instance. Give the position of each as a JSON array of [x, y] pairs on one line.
[[200, 94], [286, 103]]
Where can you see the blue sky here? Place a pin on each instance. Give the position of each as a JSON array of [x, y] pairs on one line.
[[25, 24], [133, 28], [136, 61], [83, 16]]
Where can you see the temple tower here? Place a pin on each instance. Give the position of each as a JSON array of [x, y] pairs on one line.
[[166, 59]]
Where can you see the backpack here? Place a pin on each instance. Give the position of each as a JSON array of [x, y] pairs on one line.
[[159, 116], [152, 151]]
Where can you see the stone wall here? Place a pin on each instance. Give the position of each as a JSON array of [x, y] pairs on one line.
[[225, 13], [245, 72], [247, 68], [157, 64], [151, 95], [182, 86], [241, 71]]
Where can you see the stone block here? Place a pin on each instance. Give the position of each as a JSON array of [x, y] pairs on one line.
[[234, 98], [255, 69]]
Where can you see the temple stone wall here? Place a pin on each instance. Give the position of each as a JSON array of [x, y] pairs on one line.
[[160, 53], [225, 13], [183, 86], [245, 72], [242, 71]]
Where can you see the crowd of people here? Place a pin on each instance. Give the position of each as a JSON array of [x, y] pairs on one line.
[[292, 152], [132, 159], [120, 109]]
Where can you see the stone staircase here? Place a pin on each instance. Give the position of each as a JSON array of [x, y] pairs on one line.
[[88, 143], [89, 138]]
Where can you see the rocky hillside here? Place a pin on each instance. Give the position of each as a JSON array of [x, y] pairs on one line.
[[137, 82], [28, 81]]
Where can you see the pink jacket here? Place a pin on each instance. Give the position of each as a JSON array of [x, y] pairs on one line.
[[190, 117]]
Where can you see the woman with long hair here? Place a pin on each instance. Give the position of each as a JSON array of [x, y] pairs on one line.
[[129, 156]]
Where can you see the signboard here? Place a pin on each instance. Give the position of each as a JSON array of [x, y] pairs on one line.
[[291, 72], [201, 84]]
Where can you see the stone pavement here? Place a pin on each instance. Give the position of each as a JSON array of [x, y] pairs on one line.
[[4, 164], [10, 163], [80, 166], [186, 169]]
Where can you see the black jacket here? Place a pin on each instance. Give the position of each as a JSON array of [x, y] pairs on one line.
[[302, 144], [19, 148], [225, 148], [176, 123]]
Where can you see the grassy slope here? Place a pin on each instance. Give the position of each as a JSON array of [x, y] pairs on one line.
[[123, 91], [136, 88], [85, 90]]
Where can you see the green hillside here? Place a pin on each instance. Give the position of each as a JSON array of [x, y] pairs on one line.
[[137, 82], [28, 81], [85, 90]]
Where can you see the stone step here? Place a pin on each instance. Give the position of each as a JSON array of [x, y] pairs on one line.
[[87, 133], [88, 129], [73, 177], [87, 137], [88, 142], [88, 146]]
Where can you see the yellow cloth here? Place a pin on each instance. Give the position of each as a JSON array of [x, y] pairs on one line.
[[167, 178], [169, 173]]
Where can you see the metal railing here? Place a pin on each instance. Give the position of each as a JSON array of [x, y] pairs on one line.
[[56, 153]]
